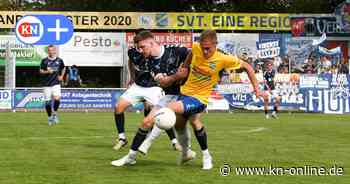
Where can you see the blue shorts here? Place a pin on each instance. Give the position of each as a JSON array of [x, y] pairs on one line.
[[191, 105]]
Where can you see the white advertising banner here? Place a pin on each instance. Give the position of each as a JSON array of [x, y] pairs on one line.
[[5, 99], [236, 43], [94, 49]]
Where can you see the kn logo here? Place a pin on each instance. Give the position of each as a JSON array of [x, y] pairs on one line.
[[44, 29]]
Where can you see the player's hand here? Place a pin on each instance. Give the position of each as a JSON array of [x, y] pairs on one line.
[[50, 71], [182, 72], [60, 78], [164, 81], [159, 77]]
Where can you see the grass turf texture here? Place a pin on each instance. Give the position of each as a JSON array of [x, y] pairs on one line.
[[79, 149]]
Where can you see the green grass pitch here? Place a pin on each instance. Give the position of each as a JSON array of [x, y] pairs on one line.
[[79, 149]]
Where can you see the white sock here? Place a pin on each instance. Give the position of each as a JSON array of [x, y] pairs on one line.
[[183, 140], [154, 133], [206, 153], [122, 136], [174, 141], [132, 153]]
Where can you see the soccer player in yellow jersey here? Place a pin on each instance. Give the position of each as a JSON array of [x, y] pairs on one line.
[[204, 67]]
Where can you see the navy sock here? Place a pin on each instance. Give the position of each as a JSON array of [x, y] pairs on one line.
[[171, 133], [56, 104], [48, 108], [119, 122], [138, 139], [201, 136], [146, 112]]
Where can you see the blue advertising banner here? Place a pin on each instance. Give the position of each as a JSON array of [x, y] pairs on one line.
[[72, 98], [326, 93], [332, 100]]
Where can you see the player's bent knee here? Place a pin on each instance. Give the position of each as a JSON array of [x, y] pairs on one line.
[[147, 123], [177, 107], [197, 125], [118, 109], [121, 106]]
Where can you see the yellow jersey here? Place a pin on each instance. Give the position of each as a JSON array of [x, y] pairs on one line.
[[204, 73]]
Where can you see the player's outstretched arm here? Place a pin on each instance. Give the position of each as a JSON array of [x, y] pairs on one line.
[[251, 74]]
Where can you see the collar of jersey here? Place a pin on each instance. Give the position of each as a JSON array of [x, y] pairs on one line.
[[161, 52], [52, 59], [211, 57]]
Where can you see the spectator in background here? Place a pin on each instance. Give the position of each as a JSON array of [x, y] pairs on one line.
[[343, 68], [276, 62], [310, 66], [334, 69], [309, 69], [285, 62], [326, 64], [258, 69], [73, 76], [283, 69]]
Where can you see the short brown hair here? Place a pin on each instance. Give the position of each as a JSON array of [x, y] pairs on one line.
[[208, 34], [143, 35]]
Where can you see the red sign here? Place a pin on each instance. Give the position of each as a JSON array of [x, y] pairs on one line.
[[183, 39], [297, 27]]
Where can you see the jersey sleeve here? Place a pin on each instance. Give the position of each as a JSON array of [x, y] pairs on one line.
[[61, 67], [231, 62], [43, 65], [183, 52], [131, 54]]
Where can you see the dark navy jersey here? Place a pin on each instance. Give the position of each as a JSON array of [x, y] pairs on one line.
[[173, 56], [57, 66], [143, 76], [268, 77]]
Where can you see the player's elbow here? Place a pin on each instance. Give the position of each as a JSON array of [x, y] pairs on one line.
[[182, 74], [245, 66]]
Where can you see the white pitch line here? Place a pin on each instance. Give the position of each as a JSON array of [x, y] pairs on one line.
[[46, 138], [254, 130]]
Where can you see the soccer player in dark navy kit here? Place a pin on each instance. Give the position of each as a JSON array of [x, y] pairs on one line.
[[271, 92], [164, 62], [142, 88], [52, 69]]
